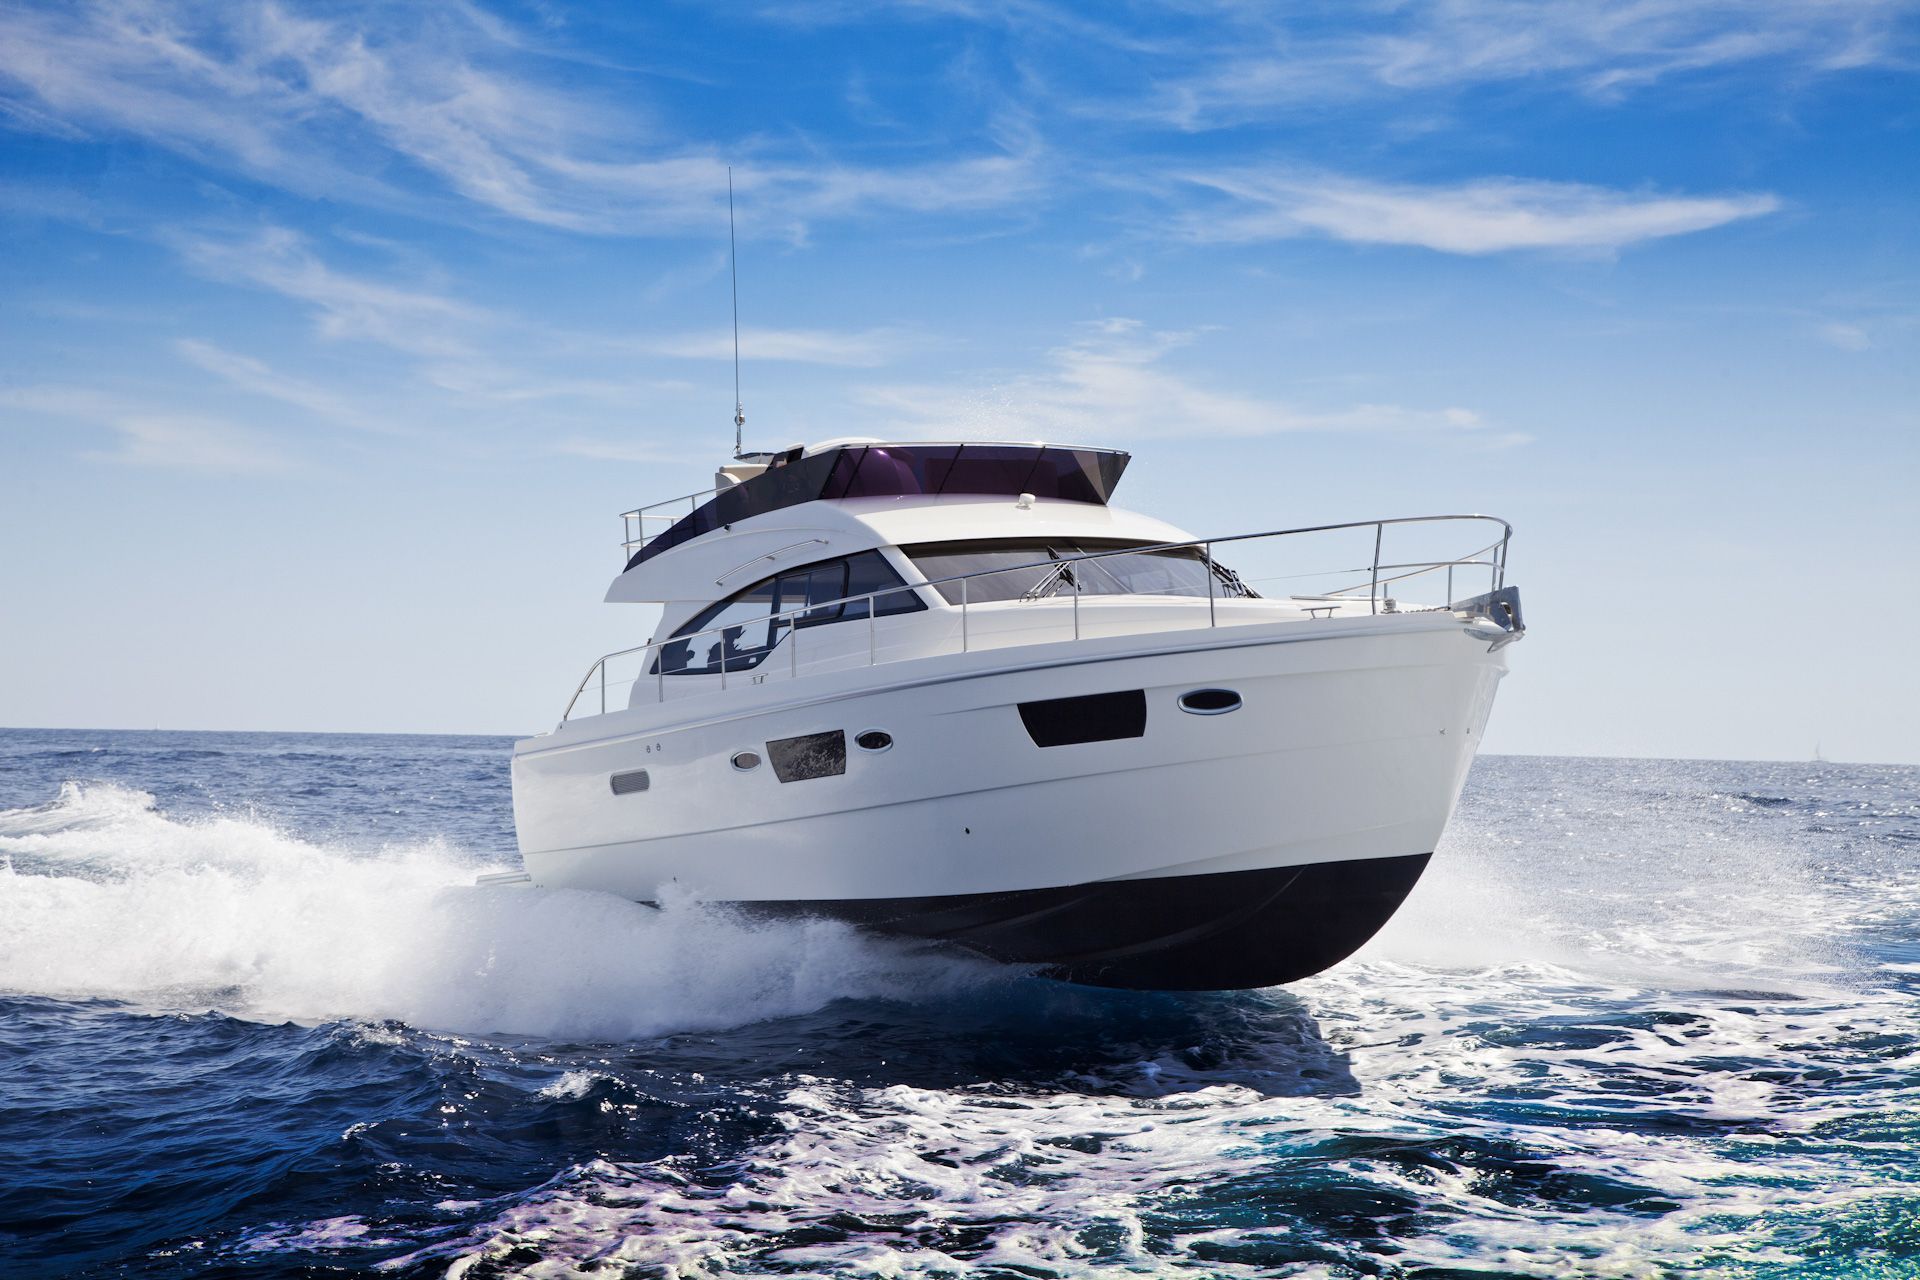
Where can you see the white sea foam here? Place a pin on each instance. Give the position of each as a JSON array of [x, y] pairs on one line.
[[1643, 890], [1016, 1180], [103, 895], [1142, 1175]]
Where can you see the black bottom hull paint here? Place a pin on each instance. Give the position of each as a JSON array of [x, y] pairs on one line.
[[1229, 931]]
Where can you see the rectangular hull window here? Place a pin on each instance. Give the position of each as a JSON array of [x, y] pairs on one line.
[[1095, 717], [813, 755]]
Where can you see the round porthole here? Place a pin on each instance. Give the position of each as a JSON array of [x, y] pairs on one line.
[[1210, 702], [873, 740], [745, 760]]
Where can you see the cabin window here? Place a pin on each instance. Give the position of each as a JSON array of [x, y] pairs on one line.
[[746, 640], [821, 584], [752, 631], [1048, 567]]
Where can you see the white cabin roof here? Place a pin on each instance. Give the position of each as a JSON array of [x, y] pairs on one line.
[[719, 563]]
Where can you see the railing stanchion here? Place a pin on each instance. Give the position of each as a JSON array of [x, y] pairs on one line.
[[793, 646], [603, 686], [1210, 577], [723, 661], [1449, 585], [963, 615], [1373, 587], [660, 674], [1076, 604], [872, 648]]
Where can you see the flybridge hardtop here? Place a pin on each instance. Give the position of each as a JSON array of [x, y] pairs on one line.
[[875, 469]]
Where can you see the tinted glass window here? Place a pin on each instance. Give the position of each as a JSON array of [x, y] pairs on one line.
[[1037, 569], [869, 571], [746, 639], [820, 585], [751, 629], [890, 470]]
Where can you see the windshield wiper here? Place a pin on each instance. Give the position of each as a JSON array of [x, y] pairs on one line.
[[1235, 587], [1050, 581]]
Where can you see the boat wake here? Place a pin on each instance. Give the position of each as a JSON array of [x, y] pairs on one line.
[[103, 895], [1638, 1020]]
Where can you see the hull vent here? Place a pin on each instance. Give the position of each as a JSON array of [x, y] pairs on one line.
[[1094, 717], [625, 784], [812, 755]]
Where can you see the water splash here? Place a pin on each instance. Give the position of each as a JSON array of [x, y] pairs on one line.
[[1642, 1019], [106, 896]]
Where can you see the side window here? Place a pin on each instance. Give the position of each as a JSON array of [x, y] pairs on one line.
[[821, 585], [746, 639], [869, 571], [751, 631]]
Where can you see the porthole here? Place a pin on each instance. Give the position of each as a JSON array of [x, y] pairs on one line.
[[873, 740], [745, 760], [1210, 702]]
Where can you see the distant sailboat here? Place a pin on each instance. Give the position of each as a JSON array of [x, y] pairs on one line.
[[1817, 757]]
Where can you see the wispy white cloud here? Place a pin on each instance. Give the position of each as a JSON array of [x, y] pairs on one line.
[[449, 93], [500, 382], [864, 349], [41, 200], [256, 376], [1847, 337], [1205, 64], [623, 451], [476, 354], [1112, 382], [143, 438], [345, 305], [1259, 60], [1491, 215], [188, 443]]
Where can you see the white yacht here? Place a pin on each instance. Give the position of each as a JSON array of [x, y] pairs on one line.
[[949, 691]]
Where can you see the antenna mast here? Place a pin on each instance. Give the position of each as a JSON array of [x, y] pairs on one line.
[[733, 260]]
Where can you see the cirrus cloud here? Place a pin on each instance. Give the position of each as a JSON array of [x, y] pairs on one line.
[[1111, 382], [1490, 215]]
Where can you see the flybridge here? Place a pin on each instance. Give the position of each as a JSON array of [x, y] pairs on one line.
[[885, 471]]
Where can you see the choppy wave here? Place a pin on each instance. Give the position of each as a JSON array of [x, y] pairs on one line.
[[1642, 1019]]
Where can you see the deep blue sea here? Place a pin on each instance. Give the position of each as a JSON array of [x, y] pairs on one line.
[[1643, 1018]]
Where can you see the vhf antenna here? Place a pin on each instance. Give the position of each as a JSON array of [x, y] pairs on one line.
[[733, 260]]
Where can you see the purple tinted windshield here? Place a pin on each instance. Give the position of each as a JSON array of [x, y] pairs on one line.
[[881, 471], [897, 470]]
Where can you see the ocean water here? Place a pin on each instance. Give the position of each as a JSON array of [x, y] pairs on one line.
[[1643, 1018]]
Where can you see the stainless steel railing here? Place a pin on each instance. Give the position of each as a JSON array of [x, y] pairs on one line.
[[640, 523], [1375, 579]]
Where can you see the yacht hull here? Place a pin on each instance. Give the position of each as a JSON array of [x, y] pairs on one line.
[[1229, 930], [1167, 849]]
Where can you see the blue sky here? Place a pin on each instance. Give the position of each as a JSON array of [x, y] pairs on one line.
[[334, 338]]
